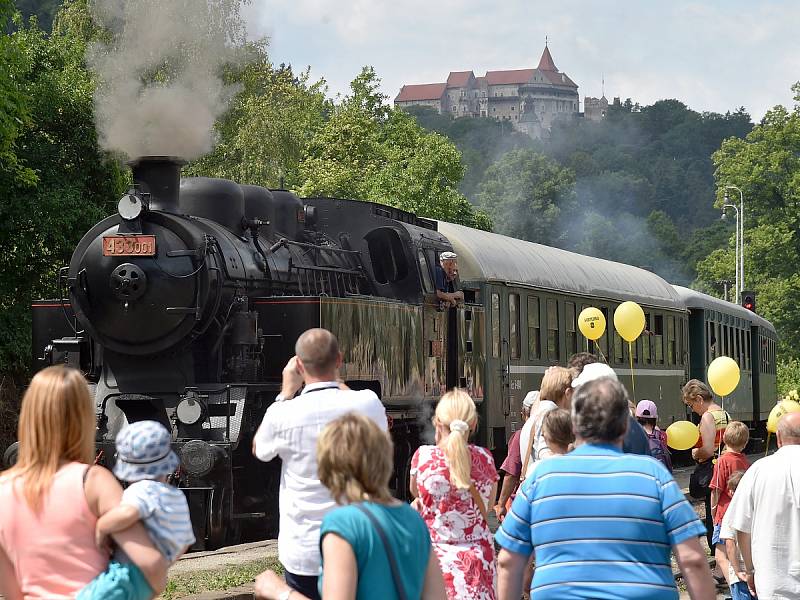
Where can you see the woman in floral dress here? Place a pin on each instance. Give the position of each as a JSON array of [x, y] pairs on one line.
[[454, 483]]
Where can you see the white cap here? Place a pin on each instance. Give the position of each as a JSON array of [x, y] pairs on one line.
[[530, 398], [593, 371], [448, 256]]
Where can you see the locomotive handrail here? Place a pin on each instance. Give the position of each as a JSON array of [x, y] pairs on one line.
[[287, 242]]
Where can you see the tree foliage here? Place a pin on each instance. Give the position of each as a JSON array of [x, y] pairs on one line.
[[525, 193], [272, 119], [43, 217], [368, 151], [636, 163], [765, 165]]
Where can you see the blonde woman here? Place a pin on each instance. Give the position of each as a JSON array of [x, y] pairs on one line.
[[51, 499], [455, 482], [355, 463], [555, 392]]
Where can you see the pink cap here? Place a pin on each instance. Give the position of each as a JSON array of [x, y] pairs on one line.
[[647, 409]]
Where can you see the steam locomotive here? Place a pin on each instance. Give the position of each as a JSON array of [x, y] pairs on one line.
[[185, 305]]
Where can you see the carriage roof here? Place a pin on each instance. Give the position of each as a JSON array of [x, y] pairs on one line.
[[694, 299], [485, 256]]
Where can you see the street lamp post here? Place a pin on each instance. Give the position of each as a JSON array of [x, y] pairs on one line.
[[736, 253], [740, 273]]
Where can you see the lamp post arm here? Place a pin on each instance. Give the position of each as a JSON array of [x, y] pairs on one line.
[[740, 267]]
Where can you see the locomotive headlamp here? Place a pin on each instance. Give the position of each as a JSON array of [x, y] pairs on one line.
[[130, 207], [198, 458], [190, 410]]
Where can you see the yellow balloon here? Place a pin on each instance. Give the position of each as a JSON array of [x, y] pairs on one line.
[[780, 409], [682, 435], [592, 323], [723, 375], [629, 320]]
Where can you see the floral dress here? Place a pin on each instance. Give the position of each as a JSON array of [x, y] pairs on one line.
[[461, 536]]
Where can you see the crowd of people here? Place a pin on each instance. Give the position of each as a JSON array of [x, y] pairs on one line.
[[588, 507]]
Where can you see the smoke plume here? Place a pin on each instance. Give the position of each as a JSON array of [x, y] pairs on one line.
[[160, 87]]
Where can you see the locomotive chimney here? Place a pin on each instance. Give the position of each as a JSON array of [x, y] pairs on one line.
[[159, 176]]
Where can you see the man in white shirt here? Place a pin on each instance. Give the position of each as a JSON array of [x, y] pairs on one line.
[[765, 512], [290, 430]]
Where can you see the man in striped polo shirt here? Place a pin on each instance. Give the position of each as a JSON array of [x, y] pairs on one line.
[[601, 523]]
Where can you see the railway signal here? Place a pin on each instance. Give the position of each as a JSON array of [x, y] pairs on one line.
[[749, 300]]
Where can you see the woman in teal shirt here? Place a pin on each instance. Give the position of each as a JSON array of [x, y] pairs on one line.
[[354, 461]]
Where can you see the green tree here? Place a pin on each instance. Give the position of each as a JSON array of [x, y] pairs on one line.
[[272, 119], [525, 193], [369, 151], [766, 166], [75, 183]]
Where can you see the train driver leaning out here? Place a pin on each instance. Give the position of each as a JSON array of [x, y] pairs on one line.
[[446, 276]]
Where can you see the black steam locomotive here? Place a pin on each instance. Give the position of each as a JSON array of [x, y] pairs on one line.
[[185, 306]]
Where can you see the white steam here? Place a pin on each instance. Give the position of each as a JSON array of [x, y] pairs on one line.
[[160, 87]]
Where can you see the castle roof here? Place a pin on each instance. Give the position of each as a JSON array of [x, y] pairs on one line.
[[459, 79], [424, 91], [509, 77], [546, 62]]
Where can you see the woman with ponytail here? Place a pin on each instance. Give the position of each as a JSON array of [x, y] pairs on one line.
[[455, 483]]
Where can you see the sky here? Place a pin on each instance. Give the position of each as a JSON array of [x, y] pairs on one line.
[[715, 55]]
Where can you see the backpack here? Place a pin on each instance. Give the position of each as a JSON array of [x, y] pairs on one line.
[[658, 449]]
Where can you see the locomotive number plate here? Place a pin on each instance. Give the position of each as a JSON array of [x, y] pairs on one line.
[[129, 245]]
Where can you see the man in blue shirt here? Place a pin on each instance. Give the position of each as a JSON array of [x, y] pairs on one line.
[[601, 523]]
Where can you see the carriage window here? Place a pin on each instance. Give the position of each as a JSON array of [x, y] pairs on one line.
[[513, 319], [495, 325], [604, 337], [534, 342], [648, 331], [685, 346], [617, 347], [746, 349], [469, 331], [671, 356], [552, 329], [425, 272], [658, 338], [747, 358], [711, 341], [569, 321]]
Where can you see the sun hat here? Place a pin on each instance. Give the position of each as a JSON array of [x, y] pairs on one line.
[[530, 398], [647, 409], [144, 451], [593, 371]]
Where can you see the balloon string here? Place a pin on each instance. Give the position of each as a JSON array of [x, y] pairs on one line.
[[767, 451], [600, 351], [719, 448], [633, 380]]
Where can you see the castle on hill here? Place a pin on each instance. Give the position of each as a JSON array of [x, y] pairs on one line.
[[530, 99]]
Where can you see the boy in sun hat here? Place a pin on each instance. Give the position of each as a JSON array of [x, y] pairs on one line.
[[144, 459]]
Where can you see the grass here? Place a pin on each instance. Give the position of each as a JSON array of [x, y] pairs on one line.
[[225, 579]]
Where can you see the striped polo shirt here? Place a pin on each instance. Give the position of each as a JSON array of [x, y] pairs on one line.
[[602, 524], [165, 515]]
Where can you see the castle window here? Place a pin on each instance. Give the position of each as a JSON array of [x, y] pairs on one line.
[[512, 108]]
